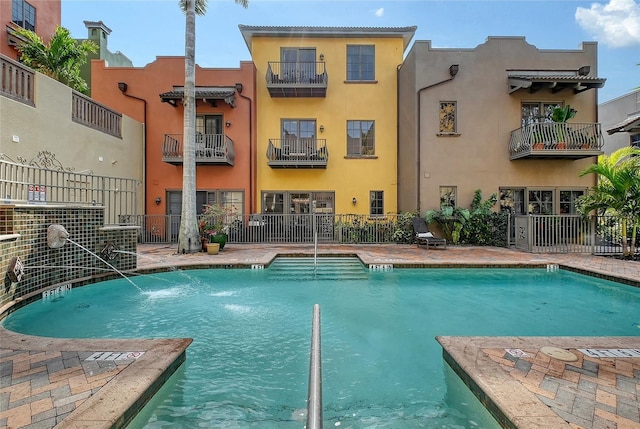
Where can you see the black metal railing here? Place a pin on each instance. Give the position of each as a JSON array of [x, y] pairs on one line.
[[297, 79], [301, 153], [210, 148]]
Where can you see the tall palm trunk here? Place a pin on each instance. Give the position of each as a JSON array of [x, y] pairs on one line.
[[189, 238]]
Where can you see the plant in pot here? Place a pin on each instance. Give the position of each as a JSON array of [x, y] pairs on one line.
[[560, 115], [215, 218]]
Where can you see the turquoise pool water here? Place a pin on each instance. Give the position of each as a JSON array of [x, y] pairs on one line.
[[382, 368]]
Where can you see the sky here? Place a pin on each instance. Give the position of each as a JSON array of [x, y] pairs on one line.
[[145, 29]]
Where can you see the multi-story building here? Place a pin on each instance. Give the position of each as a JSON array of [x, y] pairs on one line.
[[481, 119], [225, 128], [327, 117], [620, 118], [40, 16]]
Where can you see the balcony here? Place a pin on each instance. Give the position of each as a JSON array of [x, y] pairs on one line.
[[297, 153], [302, 79], [210, 149], [550, 140]]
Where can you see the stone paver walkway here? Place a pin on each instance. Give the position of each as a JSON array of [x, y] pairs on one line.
[[47, 382]]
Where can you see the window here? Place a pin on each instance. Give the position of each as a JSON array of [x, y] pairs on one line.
[[533, 113], [298, 64], [298, 137], [512, 201], [361, 62], [448, 110], [540, 202], [376, 203], [361, 138], [448, 196], [635, 141], [23, 14], [568, 201], [284, 202]]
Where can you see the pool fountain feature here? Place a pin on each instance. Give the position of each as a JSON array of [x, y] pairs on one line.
[[57, 236], [15, 270]]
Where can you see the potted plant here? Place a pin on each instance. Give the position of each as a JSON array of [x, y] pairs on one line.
[[560, 115], [214, 221]]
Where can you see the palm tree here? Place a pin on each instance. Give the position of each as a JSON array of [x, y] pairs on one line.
[[617, 191], [189, 235], [61, 59]]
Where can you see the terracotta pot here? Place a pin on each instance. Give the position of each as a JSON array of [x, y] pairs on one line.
[[213, 248]]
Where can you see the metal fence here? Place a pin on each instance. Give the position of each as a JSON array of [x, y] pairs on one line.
[[33, 184], [600, 235], [277, 228]]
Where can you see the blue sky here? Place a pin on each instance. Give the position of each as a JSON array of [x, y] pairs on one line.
[[144, 29]]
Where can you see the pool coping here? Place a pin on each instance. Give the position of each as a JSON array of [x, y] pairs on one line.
[[127, 387], [515, 398]]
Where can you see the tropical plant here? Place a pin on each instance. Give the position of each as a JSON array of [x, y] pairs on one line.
[[188, 237], [617, 192], [485, 227], [451, 221], [404, 227], [560, 115], [61, 59]]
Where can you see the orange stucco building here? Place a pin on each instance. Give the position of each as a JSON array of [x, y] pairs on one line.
[[225, 129], [41, 16]]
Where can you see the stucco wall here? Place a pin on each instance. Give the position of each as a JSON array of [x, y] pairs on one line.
[[347, 177], [48, 17], [613, 112], [49, 127], [478, 158], [146, 84]]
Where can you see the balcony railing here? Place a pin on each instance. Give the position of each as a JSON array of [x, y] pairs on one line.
[[210, 149], [90, 113], [297, 153], [16, 81], [556, 140], [302, 79]]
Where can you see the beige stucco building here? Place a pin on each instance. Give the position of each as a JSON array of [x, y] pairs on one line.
[[479, 119], [620, 119]]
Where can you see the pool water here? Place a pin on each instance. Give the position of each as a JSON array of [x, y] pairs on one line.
[[381, 365]]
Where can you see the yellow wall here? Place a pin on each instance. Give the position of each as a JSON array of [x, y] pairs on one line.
[[348, 178]]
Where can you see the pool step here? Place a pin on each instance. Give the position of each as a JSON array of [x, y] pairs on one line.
[[325, 269]]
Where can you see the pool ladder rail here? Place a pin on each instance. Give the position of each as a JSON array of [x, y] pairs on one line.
[[314, 402]]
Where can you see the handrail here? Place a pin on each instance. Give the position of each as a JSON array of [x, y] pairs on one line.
[[314, 403]]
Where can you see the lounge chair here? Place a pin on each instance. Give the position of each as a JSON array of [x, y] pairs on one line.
[[424, 237]]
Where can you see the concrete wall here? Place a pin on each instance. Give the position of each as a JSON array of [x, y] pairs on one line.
[[478, 156], [613, 112]]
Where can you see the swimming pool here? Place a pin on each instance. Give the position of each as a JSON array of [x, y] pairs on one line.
[[248, 365]]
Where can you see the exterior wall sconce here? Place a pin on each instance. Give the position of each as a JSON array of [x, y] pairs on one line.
[[322, 128], [321, 57], [158, 201], [228, 124], [453, 70], [239, 87], [122, 86], [354, 201]]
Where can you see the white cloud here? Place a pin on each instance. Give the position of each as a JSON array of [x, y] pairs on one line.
[[379, 12], [616, 23]]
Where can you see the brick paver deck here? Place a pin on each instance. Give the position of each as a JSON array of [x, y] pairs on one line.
[[46, 382]]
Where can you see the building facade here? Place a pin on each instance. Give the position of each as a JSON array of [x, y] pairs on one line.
[[481, 119], [326, 118], [225, 124], [39, 16], [620, 119]]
